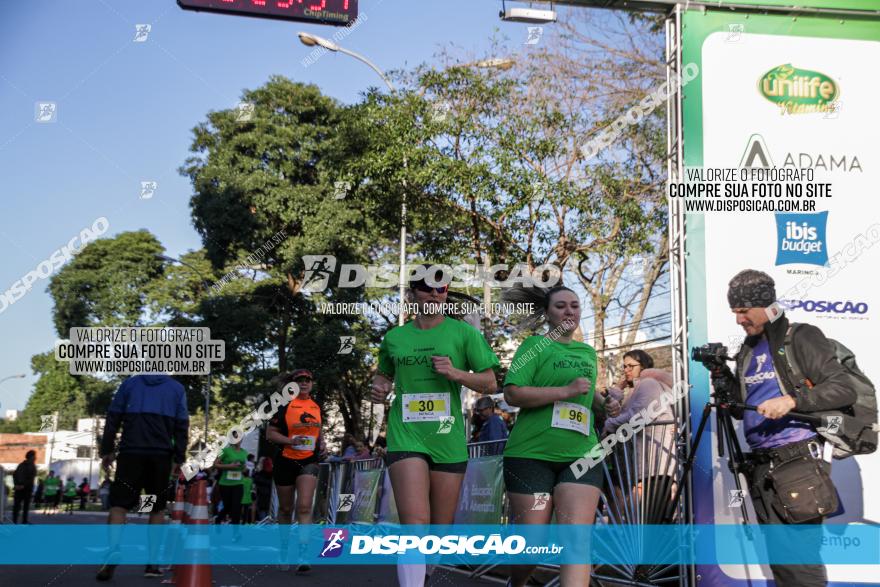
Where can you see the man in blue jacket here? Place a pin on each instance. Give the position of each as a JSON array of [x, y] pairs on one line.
[[151, 411]]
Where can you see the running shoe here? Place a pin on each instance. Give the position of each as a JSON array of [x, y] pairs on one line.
[[152, 571], [105, 573], [302, 569]]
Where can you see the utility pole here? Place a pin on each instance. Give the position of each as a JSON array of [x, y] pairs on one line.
[[52, 442]]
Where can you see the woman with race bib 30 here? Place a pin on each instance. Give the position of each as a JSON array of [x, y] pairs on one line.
[[428, 360], [552, 379]]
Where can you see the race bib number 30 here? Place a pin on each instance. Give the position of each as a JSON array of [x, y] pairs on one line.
[[425, 407], [571, 416], [233, 475]]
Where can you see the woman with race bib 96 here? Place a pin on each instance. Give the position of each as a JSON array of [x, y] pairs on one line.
[[552, 379], [428, 360]]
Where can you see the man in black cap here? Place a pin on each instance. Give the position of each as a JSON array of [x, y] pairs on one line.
[[789, 480]]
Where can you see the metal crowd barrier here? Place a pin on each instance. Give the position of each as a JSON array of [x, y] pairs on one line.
[[641, 476]]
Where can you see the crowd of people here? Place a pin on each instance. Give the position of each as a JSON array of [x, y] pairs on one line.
[[552, 381]]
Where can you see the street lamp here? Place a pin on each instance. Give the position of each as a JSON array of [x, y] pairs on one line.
[[19, 376], [206, 285], [311, 40]]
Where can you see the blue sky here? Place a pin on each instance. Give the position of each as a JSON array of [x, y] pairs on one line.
[[125, 111]]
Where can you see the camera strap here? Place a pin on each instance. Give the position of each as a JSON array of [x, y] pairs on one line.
[[795, 375]]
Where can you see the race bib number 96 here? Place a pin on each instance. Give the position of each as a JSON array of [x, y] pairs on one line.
[[571, 416], [425, 407]]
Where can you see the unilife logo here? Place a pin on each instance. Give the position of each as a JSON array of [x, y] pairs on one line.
[[797, 91], [801, 239]]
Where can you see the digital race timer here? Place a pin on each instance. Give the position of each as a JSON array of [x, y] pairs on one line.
[[335, 12]]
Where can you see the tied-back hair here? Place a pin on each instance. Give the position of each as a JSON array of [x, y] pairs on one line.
[[539, 300]]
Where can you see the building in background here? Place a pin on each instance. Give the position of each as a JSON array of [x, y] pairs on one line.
[[70, 453]]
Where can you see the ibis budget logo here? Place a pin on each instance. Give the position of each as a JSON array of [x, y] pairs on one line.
[[801, 239], [798, 91]]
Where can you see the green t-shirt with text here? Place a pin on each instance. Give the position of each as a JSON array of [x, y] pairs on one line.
[[426, 413], [70, 489], [538, 433], [230, 455]]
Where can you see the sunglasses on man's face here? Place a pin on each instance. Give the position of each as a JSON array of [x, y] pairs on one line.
[[303, 380], [422, 286]]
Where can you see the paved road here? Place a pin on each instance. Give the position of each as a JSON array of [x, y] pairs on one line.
[[226, 575]]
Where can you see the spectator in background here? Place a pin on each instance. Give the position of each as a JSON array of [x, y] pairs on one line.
[[633, 363], [347, 451], [69, 495], [492, 427], [23, 486], [104, 495], [380, 447], [38, 494], [151, 412], [247, 498], [360, 452], [52, 491], [251, 465], [263, 485], [84, 491], [652, 476]]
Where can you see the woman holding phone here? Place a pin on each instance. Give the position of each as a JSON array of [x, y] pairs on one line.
[[426, 361]]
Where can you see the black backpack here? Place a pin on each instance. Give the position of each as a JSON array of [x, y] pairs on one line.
[[852, 430]]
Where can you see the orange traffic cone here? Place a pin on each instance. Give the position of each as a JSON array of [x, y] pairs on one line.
[[177, 518], [196, 543]]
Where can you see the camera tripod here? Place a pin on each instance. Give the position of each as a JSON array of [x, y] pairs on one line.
[[737, 462]]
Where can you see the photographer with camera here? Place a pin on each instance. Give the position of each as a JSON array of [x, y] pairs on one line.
[[789, 480]]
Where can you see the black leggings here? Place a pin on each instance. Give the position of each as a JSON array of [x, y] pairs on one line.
[[231, 496]]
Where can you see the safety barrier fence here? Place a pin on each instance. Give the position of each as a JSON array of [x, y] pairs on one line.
[[640, 474]]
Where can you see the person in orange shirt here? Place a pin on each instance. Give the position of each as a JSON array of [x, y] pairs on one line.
[[296, 430]]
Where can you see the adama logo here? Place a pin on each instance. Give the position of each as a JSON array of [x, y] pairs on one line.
[[797, 91]]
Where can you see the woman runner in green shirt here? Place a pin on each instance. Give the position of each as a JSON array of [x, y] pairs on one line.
[[552, 379], [428, 360], [231, 462]]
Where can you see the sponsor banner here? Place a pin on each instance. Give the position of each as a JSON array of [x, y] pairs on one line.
[[366, 494], [459, 544], [481, 492], [387, 505], [780, 94]]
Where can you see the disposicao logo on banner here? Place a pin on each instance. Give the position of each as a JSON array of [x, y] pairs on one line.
[[333, 540], [801, 239], [798, 91]]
